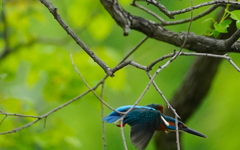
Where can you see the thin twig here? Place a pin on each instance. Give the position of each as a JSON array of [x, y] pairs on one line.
[[229, 59], [122, 133], [129, 62], [203, 5], [103, 124], [18, 115], [149, 67], [161, 8], [148, 11], [168, 23], [171, 14], [3, 119], [134, 49], [206, 12], [162, 95], [85, 82]]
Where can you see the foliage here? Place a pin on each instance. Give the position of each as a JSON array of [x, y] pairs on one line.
[[223, 25]]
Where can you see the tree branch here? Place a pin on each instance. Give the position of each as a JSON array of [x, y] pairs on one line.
[[168, 23], [195, 43], [230, 41], [54, 12], [214, 2]]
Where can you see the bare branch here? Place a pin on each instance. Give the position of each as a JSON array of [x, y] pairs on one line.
[[209, 10], [213, 55], [171, 14], [85, 82], [161, 8], [102, 116], [214, 2], [122, 133], [149, 67], [167, 23], [17, 115], [129, 62], [134, 49], [3, 119], [148, 11]]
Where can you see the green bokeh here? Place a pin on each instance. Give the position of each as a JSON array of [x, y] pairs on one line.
[[39, 77]]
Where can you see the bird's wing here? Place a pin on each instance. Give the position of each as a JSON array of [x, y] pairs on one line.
[[114, 116], [140, 136], [143, 115], [143, 123]]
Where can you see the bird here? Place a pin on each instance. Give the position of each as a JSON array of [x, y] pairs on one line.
[[144, 121]]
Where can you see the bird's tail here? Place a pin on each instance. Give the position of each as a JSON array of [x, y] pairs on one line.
[[112, 118]]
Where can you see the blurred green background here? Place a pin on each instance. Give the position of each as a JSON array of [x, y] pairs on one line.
[[38, 76]]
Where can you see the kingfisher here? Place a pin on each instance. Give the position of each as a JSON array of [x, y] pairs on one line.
[[144, 121]]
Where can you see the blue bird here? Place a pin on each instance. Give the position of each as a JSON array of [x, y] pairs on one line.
[[144, 121]]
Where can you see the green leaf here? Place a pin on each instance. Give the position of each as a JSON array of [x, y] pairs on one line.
[[235, 14], [209, 19], [226, 23], [222, 27], [215, 33], [238, 24]]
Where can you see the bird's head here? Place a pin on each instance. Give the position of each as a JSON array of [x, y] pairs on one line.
[[169, 125], [156, 106]]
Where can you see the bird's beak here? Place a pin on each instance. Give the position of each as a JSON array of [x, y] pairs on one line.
[[191, 131]]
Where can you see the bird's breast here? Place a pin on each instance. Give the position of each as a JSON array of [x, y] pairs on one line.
[[162, 127]]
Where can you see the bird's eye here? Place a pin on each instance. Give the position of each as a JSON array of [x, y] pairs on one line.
[[180, 125]]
